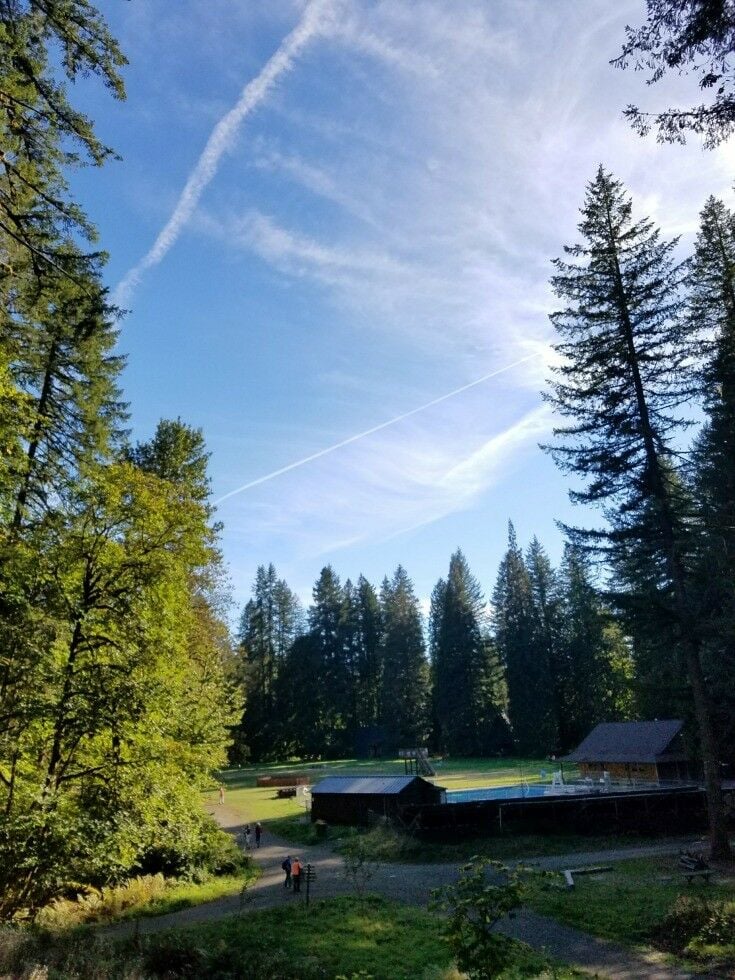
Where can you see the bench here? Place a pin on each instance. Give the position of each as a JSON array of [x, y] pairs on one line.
[[286, 792], [692, 866], [587, 870]]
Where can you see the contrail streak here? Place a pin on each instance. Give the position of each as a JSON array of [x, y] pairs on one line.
[[220, 140], [375, 428]]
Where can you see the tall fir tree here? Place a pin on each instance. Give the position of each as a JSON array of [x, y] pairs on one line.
[[466, 706], [599, 664], [712, 307], [269, 624], [516, 628], [331, 685], [547, 644], [624, 374], [404, 695], [368, 666]]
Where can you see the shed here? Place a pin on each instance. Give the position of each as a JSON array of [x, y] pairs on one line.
[[352, 799], [648, 751]]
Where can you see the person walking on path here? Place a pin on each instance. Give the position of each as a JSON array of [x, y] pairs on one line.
[[296, 874], [287, 868], [248, 838], [258, 832]]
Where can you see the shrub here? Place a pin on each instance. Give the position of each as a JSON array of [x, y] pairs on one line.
[[485, 893], [695, 924], [203, 850], [100, 905]]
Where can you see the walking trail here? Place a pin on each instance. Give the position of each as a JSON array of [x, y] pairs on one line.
[[412, 883]]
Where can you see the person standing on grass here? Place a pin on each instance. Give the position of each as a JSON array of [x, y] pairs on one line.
[[221, 794], [286, 865], [296, 874], [258, 832]]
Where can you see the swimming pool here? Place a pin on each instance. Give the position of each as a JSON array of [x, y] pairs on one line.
[[517, 792]]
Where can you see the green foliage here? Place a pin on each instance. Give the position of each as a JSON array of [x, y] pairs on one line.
[[269, 624], [485, 893], [404, 689], [685, 37], [468, 701], [360, 861]]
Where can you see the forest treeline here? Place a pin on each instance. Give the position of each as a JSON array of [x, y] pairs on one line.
[[114, 700], [362, 669]]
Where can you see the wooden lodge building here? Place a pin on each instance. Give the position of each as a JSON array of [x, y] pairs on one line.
[[353, 799], [639, 751]]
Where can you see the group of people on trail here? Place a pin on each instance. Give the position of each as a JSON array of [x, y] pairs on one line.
[[294, 871], [249, 836]]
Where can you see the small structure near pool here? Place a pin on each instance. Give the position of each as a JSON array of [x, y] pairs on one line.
[[354, 800], [634, 751]]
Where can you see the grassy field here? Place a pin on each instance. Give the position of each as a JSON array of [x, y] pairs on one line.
[[629, 903], [338, 937]]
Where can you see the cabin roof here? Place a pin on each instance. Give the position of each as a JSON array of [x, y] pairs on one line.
[[630, 741], [366, 785]]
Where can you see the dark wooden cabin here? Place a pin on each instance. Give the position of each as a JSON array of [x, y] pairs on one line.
[[352, 799], [640, 751]]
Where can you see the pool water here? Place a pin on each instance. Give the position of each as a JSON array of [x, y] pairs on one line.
[[495, 793]]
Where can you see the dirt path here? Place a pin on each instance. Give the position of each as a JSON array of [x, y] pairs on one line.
[[412, 883]]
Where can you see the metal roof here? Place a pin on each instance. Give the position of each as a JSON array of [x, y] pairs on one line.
[[365, 785], [629, 741]]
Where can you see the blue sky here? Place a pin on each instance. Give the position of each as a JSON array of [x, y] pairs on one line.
[[373, 230]]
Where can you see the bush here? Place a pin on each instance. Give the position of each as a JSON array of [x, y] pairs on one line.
[[696, 924], [101, 905], [204, 850]]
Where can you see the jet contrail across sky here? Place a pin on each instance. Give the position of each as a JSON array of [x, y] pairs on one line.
[[375, 428], [220, 140]]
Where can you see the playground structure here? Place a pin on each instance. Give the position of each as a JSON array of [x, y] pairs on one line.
[[416, 762]]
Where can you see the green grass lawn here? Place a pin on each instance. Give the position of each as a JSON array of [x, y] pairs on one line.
[[337, 937], [628, 903]]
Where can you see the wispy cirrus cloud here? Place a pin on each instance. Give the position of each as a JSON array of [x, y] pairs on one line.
[[315, 19], [387, 485]]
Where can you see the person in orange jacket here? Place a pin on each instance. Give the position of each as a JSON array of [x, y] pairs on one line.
[[296, 874]]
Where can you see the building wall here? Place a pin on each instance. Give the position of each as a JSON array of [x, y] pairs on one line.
[[636, 771]]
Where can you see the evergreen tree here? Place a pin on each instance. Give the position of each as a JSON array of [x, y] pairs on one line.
[[368, 661], [465, 694], [686, 36], [405, 682], [331, 684], [43, 134], [712, 307], [516, 625], [599, 666], [269, 624], [547, 644], [624, 373]]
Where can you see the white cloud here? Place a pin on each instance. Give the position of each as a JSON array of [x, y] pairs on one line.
[[315, 19]]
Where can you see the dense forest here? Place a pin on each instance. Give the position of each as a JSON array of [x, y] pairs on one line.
[[361, 670]]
